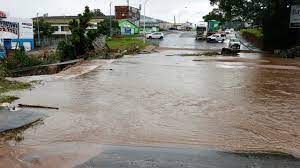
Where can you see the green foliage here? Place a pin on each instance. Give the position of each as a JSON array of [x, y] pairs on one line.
[[244, 10], [7, 86], [21, 60], [215, 14], [255, 32], [80, 41], [97, 12], [66, 51], [272, 15], [7, 99], [104, 26], [45, 28], [3, 71], [125, 43]]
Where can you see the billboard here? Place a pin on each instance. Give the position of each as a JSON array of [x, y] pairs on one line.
[[295, 16], [127, 12], [2, 14], [9, 27]]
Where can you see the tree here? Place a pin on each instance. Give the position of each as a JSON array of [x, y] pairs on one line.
[[78, 28], [97, 12], [45, 28], [104, 26], [215, 14], [273, 15]]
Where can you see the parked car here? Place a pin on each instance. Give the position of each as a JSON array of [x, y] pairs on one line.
[[156, 35], [227, 31], [216, 38], [234, 43]]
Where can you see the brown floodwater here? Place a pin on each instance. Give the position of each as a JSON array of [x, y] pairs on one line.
[[154, 100]]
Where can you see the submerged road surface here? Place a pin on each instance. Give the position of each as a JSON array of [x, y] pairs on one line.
[[179, 110]]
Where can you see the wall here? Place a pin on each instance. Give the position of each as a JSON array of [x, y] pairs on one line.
[[17, 31], [60, 30]]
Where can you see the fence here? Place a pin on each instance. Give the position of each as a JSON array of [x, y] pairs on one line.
[[50, 42]]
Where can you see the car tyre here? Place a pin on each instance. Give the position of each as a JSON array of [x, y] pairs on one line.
[[150, 37], [161, 37]]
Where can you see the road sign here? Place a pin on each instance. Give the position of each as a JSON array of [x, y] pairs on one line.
[[295, 16]]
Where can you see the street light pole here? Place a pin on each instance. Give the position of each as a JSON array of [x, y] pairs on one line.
[[38, 28], [145, 20], [110, 21]]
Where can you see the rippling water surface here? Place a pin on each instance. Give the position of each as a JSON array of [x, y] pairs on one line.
[[155, 100]]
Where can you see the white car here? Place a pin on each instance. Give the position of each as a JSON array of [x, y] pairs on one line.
[[216, 38], [227, 31], [234, 43], [155, 35]]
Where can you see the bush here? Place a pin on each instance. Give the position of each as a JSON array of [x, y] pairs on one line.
[[66, 51], [21, 60], [3, 71], [257, 33]]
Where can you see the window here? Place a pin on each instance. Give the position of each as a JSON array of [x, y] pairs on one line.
[[65, 28], [55, 28]]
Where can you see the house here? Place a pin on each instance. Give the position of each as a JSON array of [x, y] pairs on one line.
[[154, 25], [128, 12], [15, 33], [61, 23], [128, 28], [129, 19]]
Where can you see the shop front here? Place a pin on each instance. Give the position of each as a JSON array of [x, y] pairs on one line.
[[15, 33]]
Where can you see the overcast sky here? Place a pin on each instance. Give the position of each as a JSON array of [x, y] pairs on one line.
[[184, 10]]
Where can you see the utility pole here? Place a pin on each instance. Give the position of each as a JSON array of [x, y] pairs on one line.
[[174, 20], [38, 28], [145, 20], [110, 21]]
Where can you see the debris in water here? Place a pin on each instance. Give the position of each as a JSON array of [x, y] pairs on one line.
[[36, 106]]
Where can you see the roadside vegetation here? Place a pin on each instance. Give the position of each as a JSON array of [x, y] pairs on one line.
[[125, 43], [255, 32], [271, 15], [79, 45], [6, 86]]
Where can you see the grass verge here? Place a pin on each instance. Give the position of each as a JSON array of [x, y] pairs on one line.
[[125, 43], [6, 86]]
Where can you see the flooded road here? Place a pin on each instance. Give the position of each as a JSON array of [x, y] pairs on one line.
[[186, 40], [161, 101]]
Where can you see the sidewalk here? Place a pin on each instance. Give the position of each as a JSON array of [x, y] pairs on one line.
[[74, 71]]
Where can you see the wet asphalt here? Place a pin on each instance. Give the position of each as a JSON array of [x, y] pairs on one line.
[[142, 157]]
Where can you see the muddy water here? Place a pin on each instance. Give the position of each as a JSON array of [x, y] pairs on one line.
[[154, 100]]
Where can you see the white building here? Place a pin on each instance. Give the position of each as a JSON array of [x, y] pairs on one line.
[[15, 32]]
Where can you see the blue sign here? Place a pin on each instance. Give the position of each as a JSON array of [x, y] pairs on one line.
[[127, 30]]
